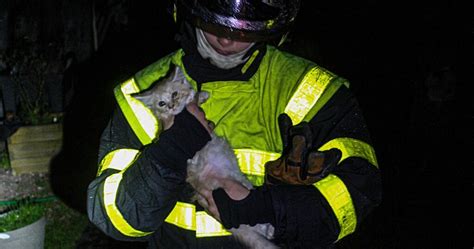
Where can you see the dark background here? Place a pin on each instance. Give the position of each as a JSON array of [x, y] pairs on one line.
[[405, 62]]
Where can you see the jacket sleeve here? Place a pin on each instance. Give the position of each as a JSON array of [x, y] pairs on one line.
[[131, 198], [315, 217]]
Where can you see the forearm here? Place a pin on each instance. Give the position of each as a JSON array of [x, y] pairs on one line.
[[144, 196], [301, 214], [323, 212], [302, 218], [132, 200], [350, 190], [305, 217]]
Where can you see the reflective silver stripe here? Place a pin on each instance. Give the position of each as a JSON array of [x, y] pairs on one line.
[[334, 189], [118, 159], [207, 226], [338, 197], [351, 147], [252, 162], [141, 119], [184, 215], [307, 94], [110, 193]]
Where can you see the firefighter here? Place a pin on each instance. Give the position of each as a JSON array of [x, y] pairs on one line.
[[295, 127]]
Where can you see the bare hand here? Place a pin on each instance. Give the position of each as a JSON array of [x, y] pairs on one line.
[[210, 206], [234, 190], [197, 112]]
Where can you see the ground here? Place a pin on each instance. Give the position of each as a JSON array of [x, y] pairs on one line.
[[64, 225], [24, 185], [66, 228]]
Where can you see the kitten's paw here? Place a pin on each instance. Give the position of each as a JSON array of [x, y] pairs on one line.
[[202, 97], [269, 231], [202, 201]]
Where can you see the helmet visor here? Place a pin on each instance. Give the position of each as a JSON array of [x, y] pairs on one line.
[[243, 20]]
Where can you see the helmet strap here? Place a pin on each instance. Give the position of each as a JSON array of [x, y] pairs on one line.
[[283, 39], [175, 13]]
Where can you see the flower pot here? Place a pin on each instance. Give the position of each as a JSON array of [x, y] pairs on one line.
[[27, 237], [31, 148]]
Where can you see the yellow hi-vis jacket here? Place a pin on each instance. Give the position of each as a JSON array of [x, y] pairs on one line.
[[245, 113]]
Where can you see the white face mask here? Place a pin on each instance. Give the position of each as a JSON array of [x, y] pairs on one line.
[[216, 59]]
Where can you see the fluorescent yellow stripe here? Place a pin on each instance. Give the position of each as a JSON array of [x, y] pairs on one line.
[[307, 94], [330, 90], [338, 197], [175, 15], [129, 86], [252, 162], [249, 61], [351, 147], [207, 226], [256, 180], [334, 190], [110, 193], [146, 118], [117, 159], [140, 118], [183, 215]]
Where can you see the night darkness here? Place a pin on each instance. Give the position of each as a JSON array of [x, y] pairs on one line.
[[403, 62]]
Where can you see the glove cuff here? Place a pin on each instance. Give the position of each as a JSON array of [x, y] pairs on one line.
[[256, 208], [180, 142]]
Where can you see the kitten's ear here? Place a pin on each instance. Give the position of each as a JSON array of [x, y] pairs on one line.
[[146, 98], [202, 97], [178, 75]]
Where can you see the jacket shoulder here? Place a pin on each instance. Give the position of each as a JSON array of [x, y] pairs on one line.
[[157, 69]]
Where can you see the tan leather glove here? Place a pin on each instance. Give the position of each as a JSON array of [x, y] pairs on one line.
[[300, 163]]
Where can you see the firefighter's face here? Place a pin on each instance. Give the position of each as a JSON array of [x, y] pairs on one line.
[[225, 46]]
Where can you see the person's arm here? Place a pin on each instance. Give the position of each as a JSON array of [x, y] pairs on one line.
[[307, 216], [132, 198]]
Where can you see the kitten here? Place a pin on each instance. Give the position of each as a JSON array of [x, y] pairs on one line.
[[169, 96], [218, 159]]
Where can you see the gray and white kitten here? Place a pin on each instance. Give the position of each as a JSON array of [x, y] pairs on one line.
[[217, 161], [168, 97]]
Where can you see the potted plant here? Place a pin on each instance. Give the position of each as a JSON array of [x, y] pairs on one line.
[[23, 226], [33, 69]]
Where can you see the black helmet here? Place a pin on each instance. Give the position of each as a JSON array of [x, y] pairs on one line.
[[244, 20]]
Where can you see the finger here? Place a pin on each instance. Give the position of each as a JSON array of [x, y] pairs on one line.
[[197, 112], [211, 208]]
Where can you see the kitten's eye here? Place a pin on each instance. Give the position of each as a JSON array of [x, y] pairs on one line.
[[161, 103], [174, 94]]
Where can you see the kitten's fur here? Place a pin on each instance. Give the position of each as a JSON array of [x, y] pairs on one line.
[[168, 97], [217, 159]]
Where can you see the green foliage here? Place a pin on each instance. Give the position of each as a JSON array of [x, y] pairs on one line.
[[64, 225], [21, 215], [30, 64], [4, 160]]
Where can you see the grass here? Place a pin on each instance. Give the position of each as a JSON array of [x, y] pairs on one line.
[[4, 160], [64, 226], [20, 216]]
